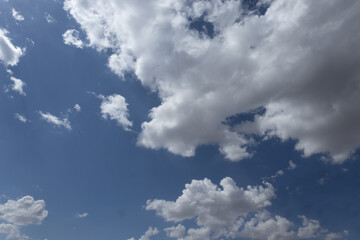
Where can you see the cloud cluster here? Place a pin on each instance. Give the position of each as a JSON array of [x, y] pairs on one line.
[[71, 38], [9, 54], [114, 107], [232, 212], [209, 60], [56, 121], [17, 16], [22, 212]]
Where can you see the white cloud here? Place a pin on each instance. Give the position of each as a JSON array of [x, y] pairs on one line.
[[148, 234], [55, 120], [22, 212], [114, 107], [20, 117], [11, 231], [49, 18], [178, 231], [9, 54], [231, 212], [17, 16], [18, 85], [71, 37], [82, 215], [302, 71], [292, 165], [77, 107]]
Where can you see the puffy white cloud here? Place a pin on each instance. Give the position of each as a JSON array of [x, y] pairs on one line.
[[17, 16], [71, 38], [114, 107], [11, 231], [149, 233], [77, 107], [178, 231], [232, 212], [9, 54], [298, 61], [21, 212], [64, 122], [20, 117], [213, 208], [18, 85]]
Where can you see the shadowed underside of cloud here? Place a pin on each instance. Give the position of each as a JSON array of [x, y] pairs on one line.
[[298, 61], [231, 212]]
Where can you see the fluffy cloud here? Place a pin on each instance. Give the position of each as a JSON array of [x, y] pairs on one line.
[[297, 61], [77, 107], [18, 85], [9, 54], [71, 38], [17, 16], [149, 233], [55, 120], [232, 212], [21, 212], [114, 107]]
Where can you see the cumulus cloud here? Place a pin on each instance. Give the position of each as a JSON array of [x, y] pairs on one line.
[[114, 107], [20, 117], [18, 85], [77, 107], [71, 38], [232, 212], [17, 16], [297, 61], [56, 121], [9, 54], [149, 233], [21, 212]]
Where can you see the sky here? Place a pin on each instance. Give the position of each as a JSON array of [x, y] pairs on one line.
[[178, 119]]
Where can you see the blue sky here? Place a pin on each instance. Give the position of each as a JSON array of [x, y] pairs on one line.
[[108, 110]]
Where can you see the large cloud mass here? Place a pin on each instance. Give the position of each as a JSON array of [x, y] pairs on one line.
[[209, 60], [232, 212]]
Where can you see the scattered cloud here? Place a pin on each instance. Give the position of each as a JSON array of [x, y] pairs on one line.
[[9, 54], [49, 18], [307, 86], [232, 212], [56, 121], [17, 16], [71, 38], [149, 233], [77, 107], [292, 165], [18, 85], [20, 117], [114, 107], [22, 212], [82, 215]]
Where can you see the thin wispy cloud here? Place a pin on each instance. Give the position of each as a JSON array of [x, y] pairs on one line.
[[55, 121]]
